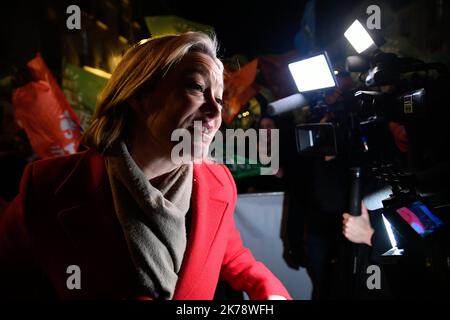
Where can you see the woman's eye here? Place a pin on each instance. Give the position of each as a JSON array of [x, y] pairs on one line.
[[197, 87]]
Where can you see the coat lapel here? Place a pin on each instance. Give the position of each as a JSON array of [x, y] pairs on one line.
[[81, 194], [88, 209], [89, 222], [208, 207]]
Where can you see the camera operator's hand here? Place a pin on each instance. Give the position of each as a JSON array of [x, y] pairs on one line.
[[357, 229]]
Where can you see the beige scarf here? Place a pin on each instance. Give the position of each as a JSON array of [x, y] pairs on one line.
[[152, 219]]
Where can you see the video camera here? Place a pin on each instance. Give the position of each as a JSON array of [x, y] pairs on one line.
[[395, 92], [413, 222], [409, 93]]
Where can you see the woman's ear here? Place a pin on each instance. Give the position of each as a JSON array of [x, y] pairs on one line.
[[135, 103], [140, 104]]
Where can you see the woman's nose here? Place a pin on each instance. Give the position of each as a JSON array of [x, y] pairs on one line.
[[211, 108]]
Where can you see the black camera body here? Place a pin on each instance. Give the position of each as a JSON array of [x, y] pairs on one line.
[[412, 216], [406, 94]]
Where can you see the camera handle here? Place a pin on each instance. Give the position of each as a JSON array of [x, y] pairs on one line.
[[355, 191], [355, 210]]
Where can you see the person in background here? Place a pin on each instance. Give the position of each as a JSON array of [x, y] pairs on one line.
[[318, 196]]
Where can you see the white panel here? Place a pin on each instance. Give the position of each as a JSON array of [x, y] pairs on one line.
[[258, 218]]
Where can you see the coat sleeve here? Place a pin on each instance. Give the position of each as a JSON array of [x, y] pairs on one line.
[[15, 244], [242, 271]]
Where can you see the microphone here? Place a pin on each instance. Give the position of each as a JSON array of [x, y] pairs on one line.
[[356, 64], [355, 192], [286, 104]]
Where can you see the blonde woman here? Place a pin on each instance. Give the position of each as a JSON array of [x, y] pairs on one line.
[[122, 219]]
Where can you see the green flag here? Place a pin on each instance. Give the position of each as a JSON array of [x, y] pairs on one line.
[[167, 25], [81, 89]]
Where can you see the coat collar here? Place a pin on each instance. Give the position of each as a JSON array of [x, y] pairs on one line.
[[87, 184], [209, 205], [85, 179]]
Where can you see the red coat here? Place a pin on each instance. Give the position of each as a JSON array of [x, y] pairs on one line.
[[64, 215]]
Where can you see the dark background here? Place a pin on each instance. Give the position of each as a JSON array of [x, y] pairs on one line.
[[418, 28]]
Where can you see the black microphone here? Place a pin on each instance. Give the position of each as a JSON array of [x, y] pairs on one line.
[[355, 192], [357, 64], [286, 104]]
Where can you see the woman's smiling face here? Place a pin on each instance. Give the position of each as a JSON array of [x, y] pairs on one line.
[[191, 91]]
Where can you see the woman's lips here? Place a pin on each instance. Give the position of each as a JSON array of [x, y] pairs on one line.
[[204, 128]]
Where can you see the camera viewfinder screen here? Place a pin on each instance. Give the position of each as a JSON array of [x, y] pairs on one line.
[[420, 218]]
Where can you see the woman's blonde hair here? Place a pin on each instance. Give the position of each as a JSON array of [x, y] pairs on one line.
[[141, 67]]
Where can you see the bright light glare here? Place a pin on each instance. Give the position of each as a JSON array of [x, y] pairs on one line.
[[358, 37], [97, 72], [389, 232], [312, 74]]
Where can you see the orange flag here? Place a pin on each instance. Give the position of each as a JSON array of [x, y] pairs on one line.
[[239, 89], [45, 114]]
